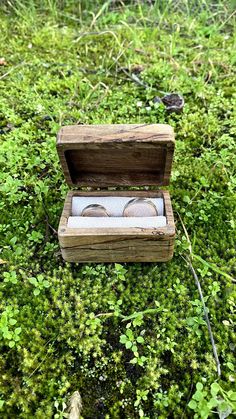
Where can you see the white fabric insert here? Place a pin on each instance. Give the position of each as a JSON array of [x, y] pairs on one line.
[[113, 204], [118, 222]]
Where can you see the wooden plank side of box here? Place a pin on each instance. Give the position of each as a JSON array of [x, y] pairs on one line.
[[113, 244], [119, 249]]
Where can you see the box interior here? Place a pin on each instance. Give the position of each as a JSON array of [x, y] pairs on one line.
[[140, 165], [114, 206]]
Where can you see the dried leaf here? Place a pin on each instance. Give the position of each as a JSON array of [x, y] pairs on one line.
[[75, 406]]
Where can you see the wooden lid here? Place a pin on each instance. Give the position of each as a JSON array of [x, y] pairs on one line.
[[116, 155]]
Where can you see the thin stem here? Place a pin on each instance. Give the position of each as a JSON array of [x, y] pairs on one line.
[[189, 262], [206, 316]]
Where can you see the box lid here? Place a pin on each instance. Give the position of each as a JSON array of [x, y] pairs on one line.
[[116, 155]]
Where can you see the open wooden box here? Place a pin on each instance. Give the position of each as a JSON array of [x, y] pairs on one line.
[[105, 156]]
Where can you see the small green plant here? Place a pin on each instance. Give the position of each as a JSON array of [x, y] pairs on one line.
[[93, 322], [7, 330], [120, 271], [195, 323], [39, 283], [131, 342], [61, 410], [10, 277], [219, 401], [115, 307], [161, 399], [141, 395]]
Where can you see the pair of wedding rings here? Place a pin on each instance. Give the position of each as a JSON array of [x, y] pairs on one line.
[[137, 207]]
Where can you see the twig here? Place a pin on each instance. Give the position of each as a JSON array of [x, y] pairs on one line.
[[105, 314], [52, 228], [11, 70], [226, 21], [133, 315], [188, 260], [135, 78], [186, 233], [46, 232], [39, 365], [47, 218], [189, 396]]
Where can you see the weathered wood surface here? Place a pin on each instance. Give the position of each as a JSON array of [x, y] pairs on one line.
[[111, 155], [117, 244], [120, 249], [73, 134]]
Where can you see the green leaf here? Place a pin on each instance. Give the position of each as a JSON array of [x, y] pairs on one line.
[[205, 412], [232, 395], [46, 283], [230, 365], [215, 388], [212, 403], [33, 281], [141, 413], [17, 330], [213, 267], [223, 406], [12, 321], [199, 386], [123, 339], [192, 404], [7, 335], [134, 348], [4, 329], [140, 339], [128, 344], [36, 291], [11, 343], [1, 403], [130, 334], [198, 396]]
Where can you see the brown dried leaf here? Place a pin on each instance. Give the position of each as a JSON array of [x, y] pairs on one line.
[[75, 406]]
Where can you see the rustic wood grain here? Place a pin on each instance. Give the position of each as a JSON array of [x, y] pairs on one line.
[[117, 244], [124, 249], [112, 155]]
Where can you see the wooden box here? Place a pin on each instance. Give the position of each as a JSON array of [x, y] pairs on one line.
[[102, 156]]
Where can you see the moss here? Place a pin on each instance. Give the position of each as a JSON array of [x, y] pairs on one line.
[[65, 68]]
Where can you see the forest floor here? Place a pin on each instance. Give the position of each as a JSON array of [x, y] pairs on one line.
[[68, 62]]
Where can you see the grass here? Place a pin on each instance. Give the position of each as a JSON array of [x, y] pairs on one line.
[[66, 327]]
